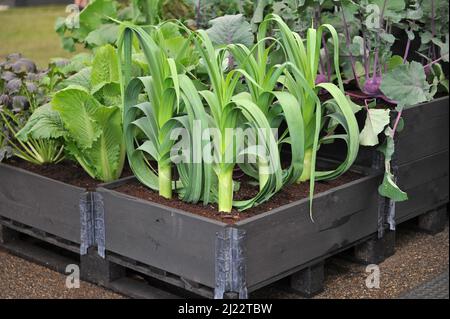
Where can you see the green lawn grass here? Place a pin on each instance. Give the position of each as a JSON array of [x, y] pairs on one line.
[[30, 31]]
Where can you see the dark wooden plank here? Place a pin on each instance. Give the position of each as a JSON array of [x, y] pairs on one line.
[[139, 290], [38, 234], [178, 242], [426, 133], [163, 276], [423, 171], [423, 198], [40, 202], [38, 252], [286, 238]]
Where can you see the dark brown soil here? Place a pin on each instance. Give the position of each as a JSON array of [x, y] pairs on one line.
[[288, 195], [66, 172]]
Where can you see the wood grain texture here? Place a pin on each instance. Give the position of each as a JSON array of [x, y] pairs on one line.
[[279, 242], [162, 237], [40, 202], [276, 242]]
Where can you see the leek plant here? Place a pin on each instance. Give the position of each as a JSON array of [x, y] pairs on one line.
[[300, 80], [163, 92], [275, 105], [171, 101], [256, 95], [230, 110]]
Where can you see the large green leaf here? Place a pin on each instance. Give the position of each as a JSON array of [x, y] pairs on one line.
[[406, 84], [44, 123], [81, 78], [105, 154], [78, 110], [389, 187], [93, 16], [231, 29], [105, 34], [105, 68]]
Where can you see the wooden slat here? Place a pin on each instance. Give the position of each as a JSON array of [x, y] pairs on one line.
[[423, 198], [285, 239], [423, 171], [165, 238], [40, 202]]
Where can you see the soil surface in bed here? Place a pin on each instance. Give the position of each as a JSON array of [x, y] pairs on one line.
[[66, 172], [287, 195]]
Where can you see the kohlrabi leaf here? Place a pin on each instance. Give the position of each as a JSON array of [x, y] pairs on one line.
[[389, 187], [44, 123], [376, 121], [258, 14], [394, 62], [390, 190], [406, 84], [231, 29], [444, 48], [394, 10]]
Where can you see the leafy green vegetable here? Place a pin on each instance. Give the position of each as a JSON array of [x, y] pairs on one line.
[[407, 85], [92, 130]]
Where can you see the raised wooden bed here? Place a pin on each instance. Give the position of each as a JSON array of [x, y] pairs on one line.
[[40, 202], [421, 158], [211, 257]]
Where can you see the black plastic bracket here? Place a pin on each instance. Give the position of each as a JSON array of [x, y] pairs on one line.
[[92, 220], [230, 264]]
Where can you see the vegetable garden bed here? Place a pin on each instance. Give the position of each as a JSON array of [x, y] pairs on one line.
[[190, 246], [222, 119]]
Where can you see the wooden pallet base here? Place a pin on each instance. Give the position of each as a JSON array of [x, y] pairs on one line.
[[137, 280], [374, 250], [309, 281], [433, 222], [119, 278]]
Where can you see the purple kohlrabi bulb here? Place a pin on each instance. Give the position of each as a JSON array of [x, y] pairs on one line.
[[372, 86]]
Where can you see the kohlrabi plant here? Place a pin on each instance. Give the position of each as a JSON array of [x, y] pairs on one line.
[[87, 116], [380, 75]]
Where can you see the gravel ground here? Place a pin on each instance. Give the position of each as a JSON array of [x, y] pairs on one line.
[[419, 258], [22, 279]]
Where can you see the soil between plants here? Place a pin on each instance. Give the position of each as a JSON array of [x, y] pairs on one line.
[[66, 172], [287, 195]]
